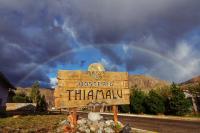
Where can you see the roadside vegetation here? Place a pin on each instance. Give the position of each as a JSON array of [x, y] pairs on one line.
[[33, 97], [168, 101]]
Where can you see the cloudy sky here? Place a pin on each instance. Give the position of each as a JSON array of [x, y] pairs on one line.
[[160, 38]]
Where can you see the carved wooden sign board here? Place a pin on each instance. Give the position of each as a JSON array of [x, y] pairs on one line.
[[87, 88]]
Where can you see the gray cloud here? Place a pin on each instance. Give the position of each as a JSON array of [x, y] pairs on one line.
[[132, 19]]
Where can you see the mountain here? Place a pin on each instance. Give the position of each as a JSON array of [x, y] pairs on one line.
[[194, 80], [146, 83], [191, 82]]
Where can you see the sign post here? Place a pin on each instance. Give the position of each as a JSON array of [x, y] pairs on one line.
[[93, 87], [115, 111]]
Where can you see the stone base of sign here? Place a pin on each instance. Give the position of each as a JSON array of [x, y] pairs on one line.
[[96, 123]]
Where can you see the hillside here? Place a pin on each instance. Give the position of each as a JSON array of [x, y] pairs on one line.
[[49, 94], [191, 82], [194, 80], [146, 83]]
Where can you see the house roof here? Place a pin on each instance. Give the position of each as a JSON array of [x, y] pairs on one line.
[[4, 82]]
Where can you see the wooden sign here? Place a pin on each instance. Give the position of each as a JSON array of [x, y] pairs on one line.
[[85, 88]]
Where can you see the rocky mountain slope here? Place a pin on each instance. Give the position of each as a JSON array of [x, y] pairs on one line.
[[191, 82], [146, 83]]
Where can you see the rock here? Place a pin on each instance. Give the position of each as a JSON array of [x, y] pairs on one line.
[[89, 122], [100, 130], [82, 128], [58, 130], [16, 116], [64, 122], [94, 116], [87, 131], [108, 130], [110, 123], [101, 124], [81, 121], [119, 123], [126, 129], [94, 127]]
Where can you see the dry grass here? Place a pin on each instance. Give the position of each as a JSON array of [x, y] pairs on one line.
[[36, 122]]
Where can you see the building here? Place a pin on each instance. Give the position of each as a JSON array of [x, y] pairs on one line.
[[5, 88]]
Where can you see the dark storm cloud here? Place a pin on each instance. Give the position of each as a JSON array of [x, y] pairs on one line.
[[28, 39], [34, 31]]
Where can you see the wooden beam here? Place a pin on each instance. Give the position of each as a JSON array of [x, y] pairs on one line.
[[74, 116], [115, 111]]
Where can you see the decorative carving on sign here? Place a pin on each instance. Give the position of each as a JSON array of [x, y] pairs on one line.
[[96, 103], [96, 74], [96, 67]]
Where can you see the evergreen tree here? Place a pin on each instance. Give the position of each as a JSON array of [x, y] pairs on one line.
[[41, 105], [137, 101], [124, 108], [154, 103], [11, 94], [178, 104], [35, 92]]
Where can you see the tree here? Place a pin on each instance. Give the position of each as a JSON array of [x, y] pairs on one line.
[[11, 94], [165, 92], [124, 108], [177, 103], [35, 92], [21, 98], [137, 101], [41, 105], [154, 103]]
